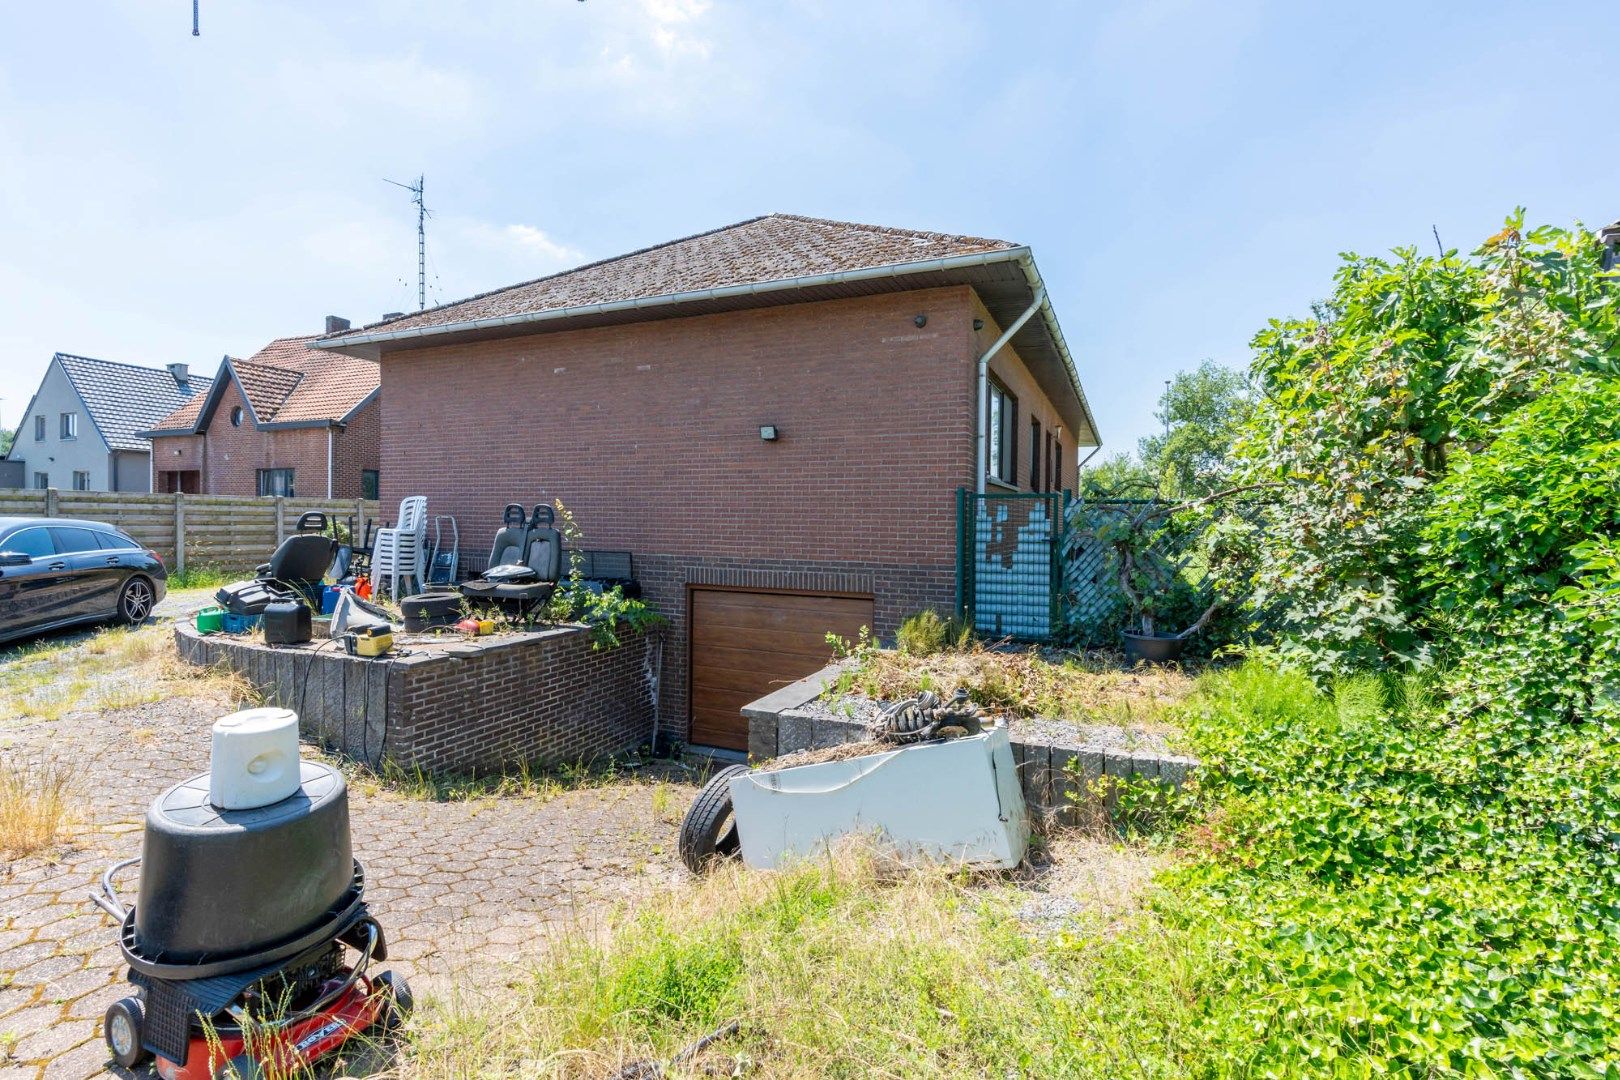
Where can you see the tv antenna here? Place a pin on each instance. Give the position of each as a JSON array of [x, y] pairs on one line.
[[421, 237], [195, 32]]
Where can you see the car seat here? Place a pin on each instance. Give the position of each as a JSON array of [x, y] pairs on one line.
[[525, 565], [294, 571]]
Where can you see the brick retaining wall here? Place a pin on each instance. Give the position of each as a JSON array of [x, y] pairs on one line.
[[455, 706]]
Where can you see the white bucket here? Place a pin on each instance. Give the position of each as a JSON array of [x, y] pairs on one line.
[[255, 759], [956, 801]]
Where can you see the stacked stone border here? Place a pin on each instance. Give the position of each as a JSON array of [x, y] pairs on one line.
[[477, 706], [1065, 782]]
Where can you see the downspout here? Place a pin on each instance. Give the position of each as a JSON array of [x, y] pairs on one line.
[[329, 461], [984, 382]]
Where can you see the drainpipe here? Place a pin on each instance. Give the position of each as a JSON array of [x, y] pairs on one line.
[[329, 461], [984, 382]]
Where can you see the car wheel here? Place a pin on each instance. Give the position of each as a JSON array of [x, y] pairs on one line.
[[709, 832], [135, 601]]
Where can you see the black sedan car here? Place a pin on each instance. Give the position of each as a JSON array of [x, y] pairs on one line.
[[58, 572]]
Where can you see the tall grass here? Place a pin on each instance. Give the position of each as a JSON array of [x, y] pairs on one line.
[[36, 802], [203, 577], [842, 968]]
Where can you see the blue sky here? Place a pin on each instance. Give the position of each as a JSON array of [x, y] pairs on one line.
[[1183, 170]]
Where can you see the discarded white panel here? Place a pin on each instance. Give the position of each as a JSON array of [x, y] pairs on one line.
[[957, 801]]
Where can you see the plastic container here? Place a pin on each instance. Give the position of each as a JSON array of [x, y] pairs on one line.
[[241, 624], [255, 758], [954, 802], [287, 622], [210, 620], [329, 598], [218, 884]]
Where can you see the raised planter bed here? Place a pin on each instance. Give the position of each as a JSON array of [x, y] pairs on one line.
[[1057, 762], [455, 705]]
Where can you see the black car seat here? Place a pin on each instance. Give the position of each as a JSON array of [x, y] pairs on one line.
[[521, 589], [295, 569], [507, 550]]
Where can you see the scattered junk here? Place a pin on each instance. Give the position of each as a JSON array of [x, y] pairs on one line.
[[525, 565], [444, 559], [935, 784], [250, 905], [430, 611], [370, 640], [294, 572], [287, 622]]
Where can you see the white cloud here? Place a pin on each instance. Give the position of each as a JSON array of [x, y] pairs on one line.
[[526, 239]]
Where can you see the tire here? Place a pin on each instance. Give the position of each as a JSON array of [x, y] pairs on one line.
[[124, 1026], [398, 1002], [240, 1067], [135, 601], [708, 831]]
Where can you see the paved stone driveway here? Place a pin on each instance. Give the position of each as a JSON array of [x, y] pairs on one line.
[[455, 885]]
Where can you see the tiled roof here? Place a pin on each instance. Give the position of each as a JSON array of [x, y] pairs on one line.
[[123, 399], [771, 248], [288, 382]]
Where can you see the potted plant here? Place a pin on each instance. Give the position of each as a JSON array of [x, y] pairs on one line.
[[1150, 582]]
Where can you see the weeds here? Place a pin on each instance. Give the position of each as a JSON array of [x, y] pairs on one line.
[[845, 967], [207, 576], [539, 781], [36, 802], [1081, 687]]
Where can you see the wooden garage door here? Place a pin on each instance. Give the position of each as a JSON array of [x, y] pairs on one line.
[[746, 644]]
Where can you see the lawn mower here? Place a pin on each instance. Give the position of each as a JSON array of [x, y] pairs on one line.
[[250, 946]]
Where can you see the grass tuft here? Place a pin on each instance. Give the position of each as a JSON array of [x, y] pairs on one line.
[[36, 802]]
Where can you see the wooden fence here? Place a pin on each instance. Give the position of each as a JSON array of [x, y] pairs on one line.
[[223, 531]]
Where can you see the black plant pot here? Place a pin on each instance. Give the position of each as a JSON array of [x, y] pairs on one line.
[[1154, 648]]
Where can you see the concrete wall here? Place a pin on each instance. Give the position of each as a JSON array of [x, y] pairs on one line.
[[57, 457]]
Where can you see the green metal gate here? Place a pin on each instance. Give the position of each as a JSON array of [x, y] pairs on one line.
[[1009, 568]]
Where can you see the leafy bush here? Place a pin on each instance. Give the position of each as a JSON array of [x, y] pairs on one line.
[[1364, 405], [1511, 531], [606, 612], [1405, 894]]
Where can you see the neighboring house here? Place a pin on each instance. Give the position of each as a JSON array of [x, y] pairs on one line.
[[288, 420], [82, 430], [774, 417]]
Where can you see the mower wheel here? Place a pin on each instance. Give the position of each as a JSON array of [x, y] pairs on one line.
[[240, 1067], [708, 831], [124, 1026], [397, 1003]]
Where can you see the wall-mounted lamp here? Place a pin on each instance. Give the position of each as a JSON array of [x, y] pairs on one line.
[[978, 324], [768, 432], [920, 321]]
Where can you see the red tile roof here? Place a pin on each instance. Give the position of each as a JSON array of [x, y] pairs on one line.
[[770, 248], [288, 382]]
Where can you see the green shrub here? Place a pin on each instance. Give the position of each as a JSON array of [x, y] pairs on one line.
[[1364, 406], [1406, 892]]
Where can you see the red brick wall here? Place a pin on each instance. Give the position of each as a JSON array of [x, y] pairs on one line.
[[1032, 403], [230, 457], [649, 433]]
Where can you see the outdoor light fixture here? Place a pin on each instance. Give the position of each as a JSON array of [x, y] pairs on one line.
[[767, 432], [978, 324], [921, 321]]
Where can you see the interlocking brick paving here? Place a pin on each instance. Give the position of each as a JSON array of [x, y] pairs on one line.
[[457, 886]]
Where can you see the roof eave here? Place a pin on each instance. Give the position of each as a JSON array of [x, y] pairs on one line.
[[352, 344]]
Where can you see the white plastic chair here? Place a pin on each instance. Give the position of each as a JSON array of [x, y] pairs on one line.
[[399, 552]]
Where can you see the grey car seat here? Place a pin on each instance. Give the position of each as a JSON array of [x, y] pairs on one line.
[[521, 576]]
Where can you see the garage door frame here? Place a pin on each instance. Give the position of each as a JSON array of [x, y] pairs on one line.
[[691, 638]]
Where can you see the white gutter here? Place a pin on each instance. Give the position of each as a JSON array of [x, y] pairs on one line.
[[984, 381], [328, 462], [870, 273]]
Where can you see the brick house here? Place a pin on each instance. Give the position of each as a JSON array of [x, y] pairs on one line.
[[774, 417], [287, 420]]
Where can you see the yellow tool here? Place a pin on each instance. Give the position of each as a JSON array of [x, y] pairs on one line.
[[368, 641]]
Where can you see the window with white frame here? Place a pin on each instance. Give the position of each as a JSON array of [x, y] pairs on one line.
[[39, 429], [70, 425], [1003, 429], [42, 480], [81, 480]]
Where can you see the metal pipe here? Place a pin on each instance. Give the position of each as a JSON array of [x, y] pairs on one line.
[[984, 381], [329, 461]]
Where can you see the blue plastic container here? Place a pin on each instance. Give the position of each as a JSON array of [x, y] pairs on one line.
[[329, 598], [241, 624]]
